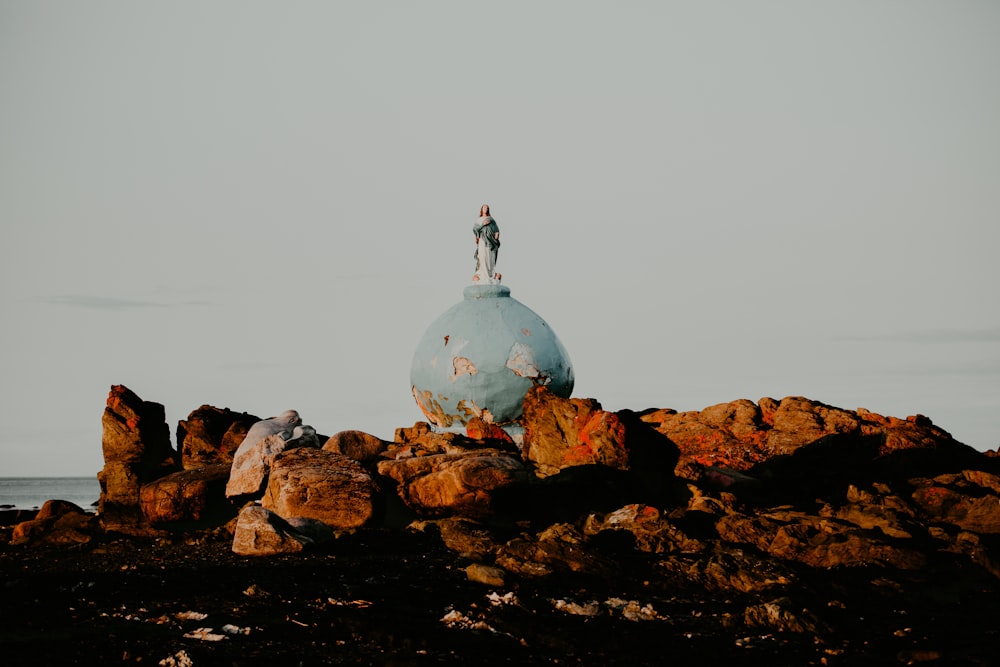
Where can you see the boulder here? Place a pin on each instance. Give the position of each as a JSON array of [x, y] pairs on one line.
[[470, 539], [57, 522], [320, 485], [261, 532], [782, 615], [212, 435], [478, 428], [461, 483], [724, 568], [358, 445], [264, 440], [136, 444], [189, 498]]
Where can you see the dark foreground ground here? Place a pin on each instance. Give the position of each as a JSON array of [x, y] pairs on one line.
[[401, 598]]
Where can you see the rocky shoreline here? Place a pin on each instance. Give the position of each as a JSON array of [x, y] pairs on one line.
[[780, 532]]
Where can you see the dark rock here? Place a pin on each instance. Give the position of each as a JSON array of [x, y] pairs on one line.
[[651, 531], [57, 522], [136, 444], [189, 498], [560, 548], [969, 500], [212, 435]]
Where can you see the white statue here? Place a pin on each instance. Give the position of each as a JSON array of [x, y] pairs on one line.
[[486, 234]]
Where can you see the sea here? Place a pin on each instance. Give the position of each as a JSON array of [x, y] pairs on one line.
[[28, 493]]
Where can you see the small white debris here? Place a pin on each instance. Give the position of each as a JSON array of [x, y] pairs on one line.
[[498, 600], [361, 604], [231, 629]]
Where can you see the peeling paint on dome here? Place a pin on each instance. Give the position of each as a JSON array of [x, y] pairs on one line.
[[462, 366]]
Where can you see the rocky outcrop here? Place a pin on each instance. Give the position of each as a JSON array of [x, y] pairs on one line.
[[969, 500], [741, 434], [189, 498], [261, 532], [264, 440], [136, 444], [212, 435], [321, 485]]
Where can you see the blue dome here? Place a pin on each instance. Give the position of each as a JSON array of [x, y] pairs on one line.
[[481, 357]]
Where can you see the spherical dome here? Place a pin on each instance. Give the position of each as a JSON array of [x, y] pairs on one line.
[[482, 356]]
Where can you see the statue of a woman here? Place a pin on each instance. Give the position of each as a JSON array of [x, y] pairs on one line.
[[487, 236]]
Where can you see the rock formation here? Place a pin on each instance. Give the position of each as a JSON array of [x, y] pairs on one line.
[[212, 435]]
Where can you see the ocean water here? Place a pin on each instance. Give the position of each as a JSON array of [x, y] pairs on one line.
[[31, 492]]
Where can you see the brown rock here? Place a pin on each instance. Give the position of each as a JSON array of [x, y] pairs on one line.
[[404, 434], [781, 615], [321, 485], [357, 445], [461, 483], [558, 548], [724, 567], [265, 440], [190, 497], [136, 444], [212, 435], [967, 500], [466, 537], [479, 429]]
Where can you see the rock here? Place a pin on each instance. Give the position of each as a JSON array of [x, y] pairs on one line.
[[968, 500], [815, 541], [358, 445], [264, 440], [565, 432], [136, 444], [321, 485], [741, 435], [561, 434], [212, 435], [652, 532], [878, 510], [465, 483], [781, 615], [724, 567], [190, 498], [409, 434], [468, 538], [57, 522], [479, 429], [486, 574], [261, 532], [558, 548]]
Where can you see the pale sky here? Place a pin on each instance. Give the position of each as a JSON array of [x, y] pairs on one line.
[[262, 206]]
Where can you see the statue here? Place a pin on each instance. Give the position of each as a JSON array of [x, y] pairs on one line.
[[486, 234]]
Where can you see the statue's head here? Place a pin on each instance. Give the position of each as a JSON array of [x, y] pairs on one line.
[[484, 211]]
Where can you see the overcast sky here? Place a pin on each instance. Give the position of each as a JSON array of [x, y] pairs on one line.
[[262, 206]]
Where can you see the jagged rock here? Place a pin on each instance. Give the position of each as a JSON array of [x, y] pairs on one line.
[[968, 500], [189, 497], [462, 483], [653, 532], [879, 510], [136, 444], [479, 429], [358, 445], [814, 540], [212, 435], [57, 522], [724, 567], [321, 485], [261, 532], [264, 440], [558, 548], [405, 434]]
